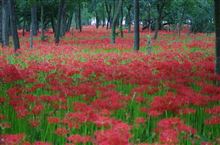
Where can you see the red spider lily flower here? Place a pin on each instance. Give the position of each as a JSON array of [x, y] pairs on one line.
[[2, 100], [5, 125], [11, 139], [213, 120], [214, 111], [78, 139], [140, 120], [26, 143], [61, 131], [21, 111], [53, 120], [10, 74], [34, 123], [41, 143], [206, 143], [118, 134], [184, 111], [169, 136], [37, 109], [2, 116]]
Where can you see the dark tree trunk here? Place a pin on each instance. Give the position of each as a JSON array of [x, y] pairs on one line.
[[97, 20], [121, 22], [23, 27], [63, 22], [52, 24], [0, 23], [108, 12], [136, 25], [114, 22], [42, 23], [13, 25], [129, 19], [34, 19], [57, 33], [217, 26], [5, 23], [79, 16], [69, 23]]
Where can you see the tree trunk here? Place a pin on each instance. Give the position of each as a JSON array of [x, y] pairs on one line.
[[97, 20], [108, 12], [31, 35], [63, 22], [57, 33], [129, 19], [79, 16], [121, 21], [23, 27], [217, 26], [13, 25], [5, 23], [136, 25], [0, 24], [42, 23], [34, 18], [116, 14]]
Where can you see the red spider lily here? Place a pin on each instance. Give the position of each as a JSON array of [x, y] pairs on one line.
[[37, 109], [214, 111], [79, 139], [206, 143], [118, 134], [169, 136], [11, 139], [41, 143], [213, 120], [53, 120], [34, 123], [61, 131], [10, 74], [140, 120]]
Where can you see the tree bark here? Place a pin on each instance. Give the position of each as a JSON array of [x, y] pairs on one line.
[[79, 16], [108, 11], [34, 19], [42, 23], [0, 24], [121, 22], [63, 22], [129, 19], [13, 25], [116, 14], [5, 23], [217, 26], [57, 33], [136, 25]]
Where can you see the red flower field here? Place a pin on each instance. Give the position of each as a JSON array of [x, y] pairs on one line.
[[88, 91]]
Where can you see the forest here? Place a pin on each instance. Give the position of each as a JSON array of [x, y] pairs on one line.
[[110, 72]]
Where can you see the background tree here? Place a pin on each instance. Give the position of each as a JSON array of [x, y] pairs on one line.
[[5, 23], [13, 25], [136, 25], [114, 22], [217, 27]]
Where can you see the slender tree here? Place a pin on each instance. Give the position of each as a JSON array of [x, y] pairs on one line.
[[34, 18], [42, 23], [0, 24], [114, 22], [136, 25], [57, 32], [217, 26], [13, 23], [5, 23]]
